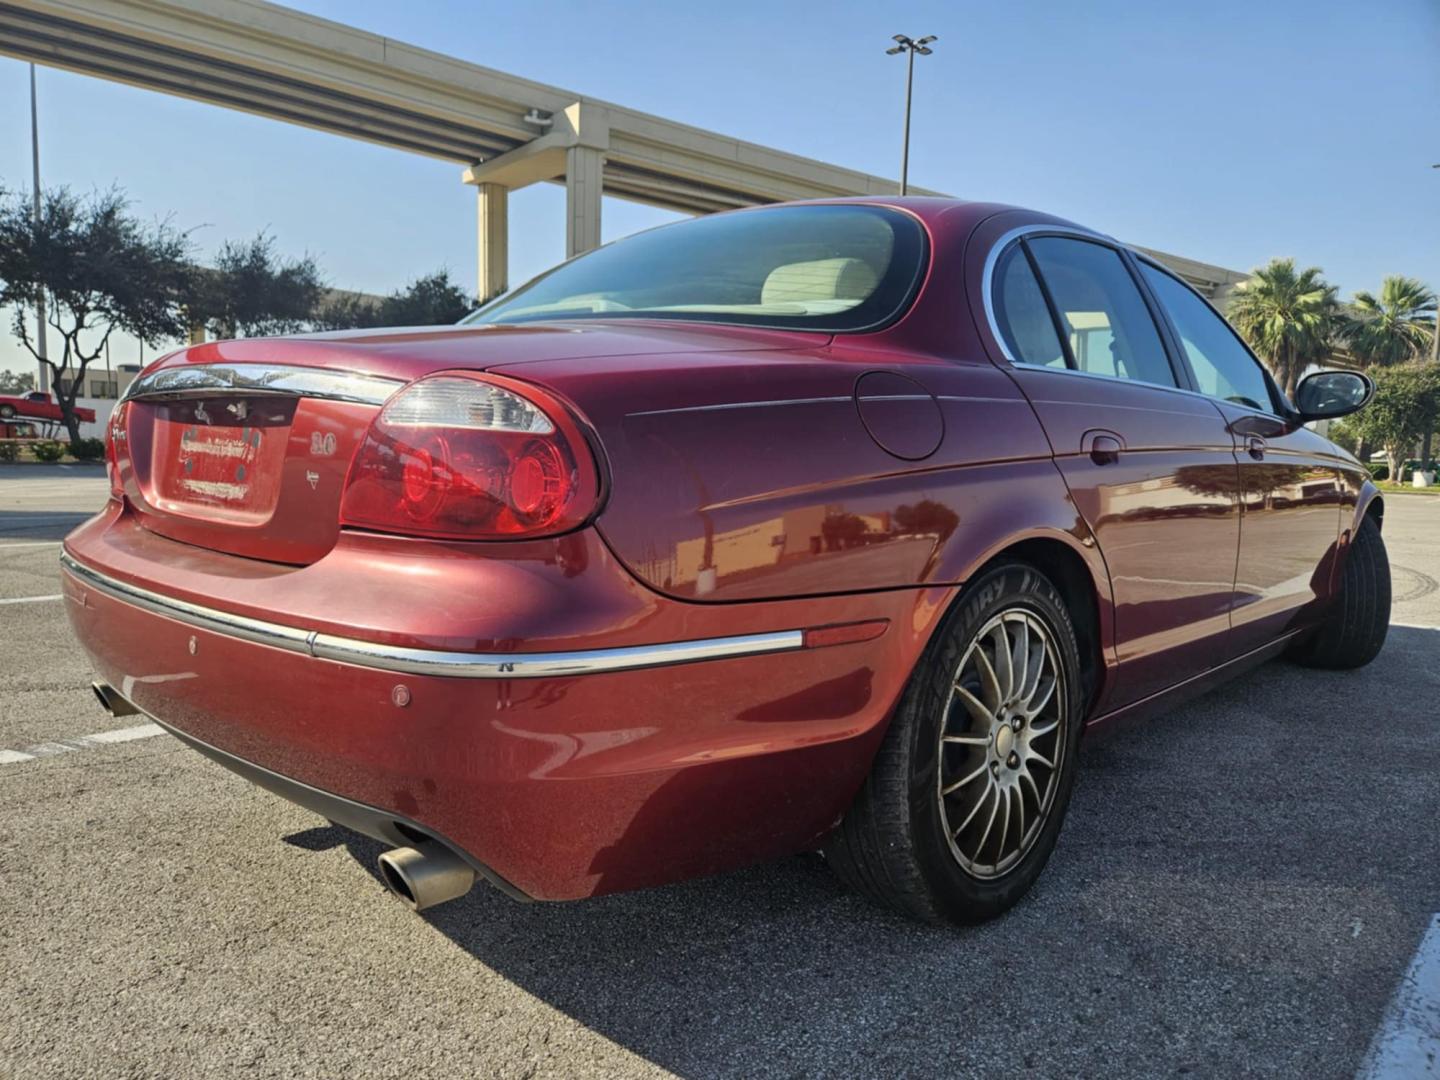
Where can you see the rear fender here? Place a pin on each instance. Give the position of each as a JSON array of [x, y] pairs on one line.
[[778, 475], [1034, 505]]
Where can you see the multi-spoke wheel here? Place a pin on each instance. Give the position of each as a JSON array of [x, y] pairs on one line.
[[966, 795], [1000, 742]]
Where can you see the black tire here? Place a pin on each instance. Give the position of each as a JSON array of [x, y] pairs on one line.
[[895, 842], [7, 412], [1354, 632]]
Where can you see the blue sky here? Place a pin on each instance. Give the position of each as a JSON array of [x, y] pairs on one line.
[[1226, 131]]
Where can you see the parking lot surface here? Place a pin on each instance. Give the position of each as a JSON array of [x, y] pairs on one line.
[[1238, 891]]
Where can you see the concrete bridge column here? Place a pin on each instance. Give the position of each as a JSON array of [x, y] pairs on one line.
[[583, 167], [494, 240], [567, 152]]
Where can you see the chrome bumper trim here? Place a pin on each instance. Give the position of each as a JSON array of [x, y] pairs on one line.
[[211, 380], [461, 665]]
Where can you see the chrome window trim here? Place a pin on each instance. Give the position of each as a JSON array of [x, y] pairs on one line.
[[1152, 386], [1007, 240], [992, 257], [461, 665], [987, 281], [203, 380]]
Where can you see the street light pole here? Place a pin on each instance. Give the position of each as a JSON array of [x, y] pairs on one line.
[[910, 48], [905, 149], [44, 383]]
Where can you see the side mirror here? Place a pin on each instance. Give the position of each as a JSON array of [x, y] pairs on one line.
[[1328, 394]]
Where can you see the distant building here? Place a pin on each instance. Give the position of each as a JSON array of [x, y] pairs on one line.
[[101, 391]]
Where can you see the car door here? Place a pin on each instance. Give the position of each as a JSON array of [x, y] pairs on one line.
[[1151, 468], [1289, 476]]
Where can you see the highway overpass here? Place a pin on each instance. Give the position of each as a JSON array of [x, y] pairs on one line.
[[505, 131]]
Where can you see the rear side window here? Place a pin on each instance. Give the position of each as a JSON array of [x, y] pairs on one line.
[[1101, 309], [1223, 367], [1022, 315]]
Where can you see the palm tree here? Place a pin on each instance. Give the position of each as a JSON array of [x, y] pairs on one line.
[[1290, 318], [1397, 327]]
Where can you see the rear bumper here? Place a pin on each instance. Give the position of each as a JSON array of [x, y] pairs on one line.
[[384, 825], [556, 781], [451, 664]]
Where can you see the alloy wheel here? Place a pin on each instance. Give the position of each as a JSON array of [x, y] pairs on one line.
[[1002, 743]]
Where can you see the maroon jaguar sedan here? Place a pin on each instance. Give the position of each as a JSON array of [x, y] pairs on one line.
[[826, 525]]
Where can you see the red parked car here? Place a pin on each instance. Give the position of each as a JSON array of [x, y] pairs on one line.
[[819, 525], [41, 406]]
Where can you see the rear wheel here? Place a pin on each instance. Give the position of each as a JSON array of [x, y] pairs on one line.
[[6, 412], [966, 795], [1355, 630]]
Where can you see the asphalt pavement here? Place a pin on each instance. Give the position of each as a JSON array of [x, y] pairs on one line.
[[1238, 890]]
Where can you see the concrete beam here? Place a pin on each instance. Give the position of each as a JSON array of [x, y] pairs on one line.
[[1214, 282], [537, 160], [267, 59], [275, 49]]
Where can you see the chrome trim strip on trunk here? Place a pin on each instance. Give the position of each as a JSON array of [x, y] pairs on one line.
[[461, 665], [205, 380]]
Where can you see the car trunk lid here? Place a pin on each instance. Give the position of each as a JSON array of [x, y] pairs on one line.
[[249, 460], [244, 446]]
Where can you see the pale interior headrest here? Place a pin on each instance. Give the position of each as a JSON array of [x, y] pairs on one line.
[[823, 279]]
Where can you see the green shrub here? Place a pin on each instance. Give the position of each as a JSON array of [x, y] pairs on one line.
[[88, 450], [9, 450], [1379, 471], [49, 450]]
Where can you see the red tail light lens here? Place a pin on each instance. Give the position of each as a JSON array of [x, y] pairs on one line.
[[461, 456], [114, 436]]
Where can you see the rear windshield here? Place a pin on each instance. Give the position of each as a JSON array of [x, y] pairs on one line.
[[828, 268]]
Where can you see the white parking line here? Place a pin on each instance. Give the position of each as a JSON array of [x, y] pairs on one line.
[[84, 742], [31, 544], [30, 599], [126, 734], [1407, 1046]]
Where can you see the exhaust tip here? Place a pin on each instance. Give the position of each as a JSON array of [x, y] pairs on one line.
[[111, 700], [425, 875], [395, 879]]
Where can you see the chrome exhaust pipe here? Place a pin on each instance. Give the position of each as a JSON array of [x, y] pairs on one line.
[[426, 874], [111, 700]]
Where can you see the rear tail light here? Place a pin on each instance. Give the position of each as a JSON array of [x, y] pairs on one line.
[[472, 457], [114, 436]]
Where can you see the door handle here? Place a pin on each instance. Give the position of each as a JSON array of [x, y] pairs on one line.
[[1104, 448], [1255, 447]]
